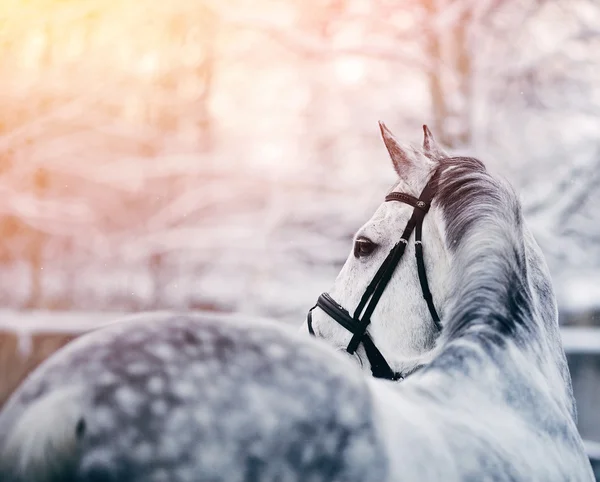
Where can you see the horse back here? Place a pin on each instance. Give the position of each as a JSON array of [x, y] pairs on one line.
[[184, 398]]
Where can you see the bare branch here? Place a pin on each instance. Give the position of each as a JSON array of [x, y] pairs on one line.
[[310, 45]]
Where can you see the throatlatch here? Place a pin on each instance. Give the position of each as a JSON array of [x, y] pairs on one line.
[[359, 322]]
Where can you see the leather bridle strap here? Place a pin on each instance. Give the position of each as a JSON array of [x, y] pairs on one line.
[[423, 276], [374, 291], [383, 276], [379, 365], [359, 322]]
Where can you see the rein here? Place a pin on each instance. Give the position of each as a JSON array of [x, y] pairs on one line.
[[358, 323]]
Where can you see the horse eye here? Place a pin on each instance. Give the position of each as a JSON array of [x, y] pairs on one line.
[[363, 247]]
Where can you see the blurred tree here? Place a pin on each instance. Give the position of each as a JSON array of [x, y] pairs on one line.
[[37, 243], [177, 131]]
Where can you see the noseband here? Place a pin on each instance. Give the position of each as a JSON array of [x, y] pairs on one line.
[[357, 324]]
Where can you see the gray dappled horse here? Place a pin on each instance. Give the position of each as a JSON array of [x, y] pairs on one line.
[[190, 398]]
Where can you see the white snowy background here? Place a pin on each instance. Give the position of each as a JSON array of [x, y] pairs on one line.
[[219, 155]]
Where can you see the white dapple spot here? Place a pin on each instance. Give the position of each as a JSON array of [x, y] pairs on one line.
[[138, 368], [348, 414], [161, 476], [169, 448], [155, 385], [144, 452], [184, 389], [202, 416], [128, 399], [98, 461], [163, 351], [159, 408], [103, 419], [199, 371], [107, 378], [277, 352]]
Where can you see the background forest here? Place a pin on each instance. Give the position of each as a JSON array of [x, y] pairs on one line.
[[219, 155]]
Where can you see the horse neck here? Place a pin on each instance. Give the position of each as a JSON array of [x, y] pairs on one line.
[[545, 301], [504, 304]]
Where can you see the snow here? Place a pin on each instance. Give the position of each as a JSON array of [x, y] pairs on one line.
[[592, 448], [581, 340], [579, 292]]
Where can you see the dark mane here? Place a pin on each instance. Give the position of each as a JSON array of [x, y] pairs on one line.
[[484, 233]]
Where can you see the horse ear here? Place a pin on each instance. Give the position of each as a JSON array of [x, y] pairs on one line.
[[402, 158], [431, 148]]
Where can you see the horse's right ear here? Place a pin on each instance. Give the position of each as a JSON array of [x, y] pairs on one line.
[[431, 148], [403, 158]]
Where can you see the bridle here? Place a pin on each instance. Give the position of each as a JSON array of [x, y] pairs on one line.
[[357, 324]]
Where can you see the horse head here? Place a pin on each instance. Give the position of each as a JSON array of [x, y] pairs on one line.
[[398, 299]]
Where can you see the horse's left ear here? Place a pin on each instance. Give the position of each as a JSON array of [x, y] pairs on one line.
[[404, 158], [430, 147]]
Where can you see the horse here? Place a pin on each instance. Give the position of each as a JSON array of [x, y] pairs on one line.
[[485, 391]]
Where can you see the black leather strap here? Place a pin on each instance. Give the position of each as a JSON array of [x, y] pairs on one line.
[[379, 365], [337, 312], [423, 276], [422, 204], [375, 289], [359, 322], [309, 321]]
